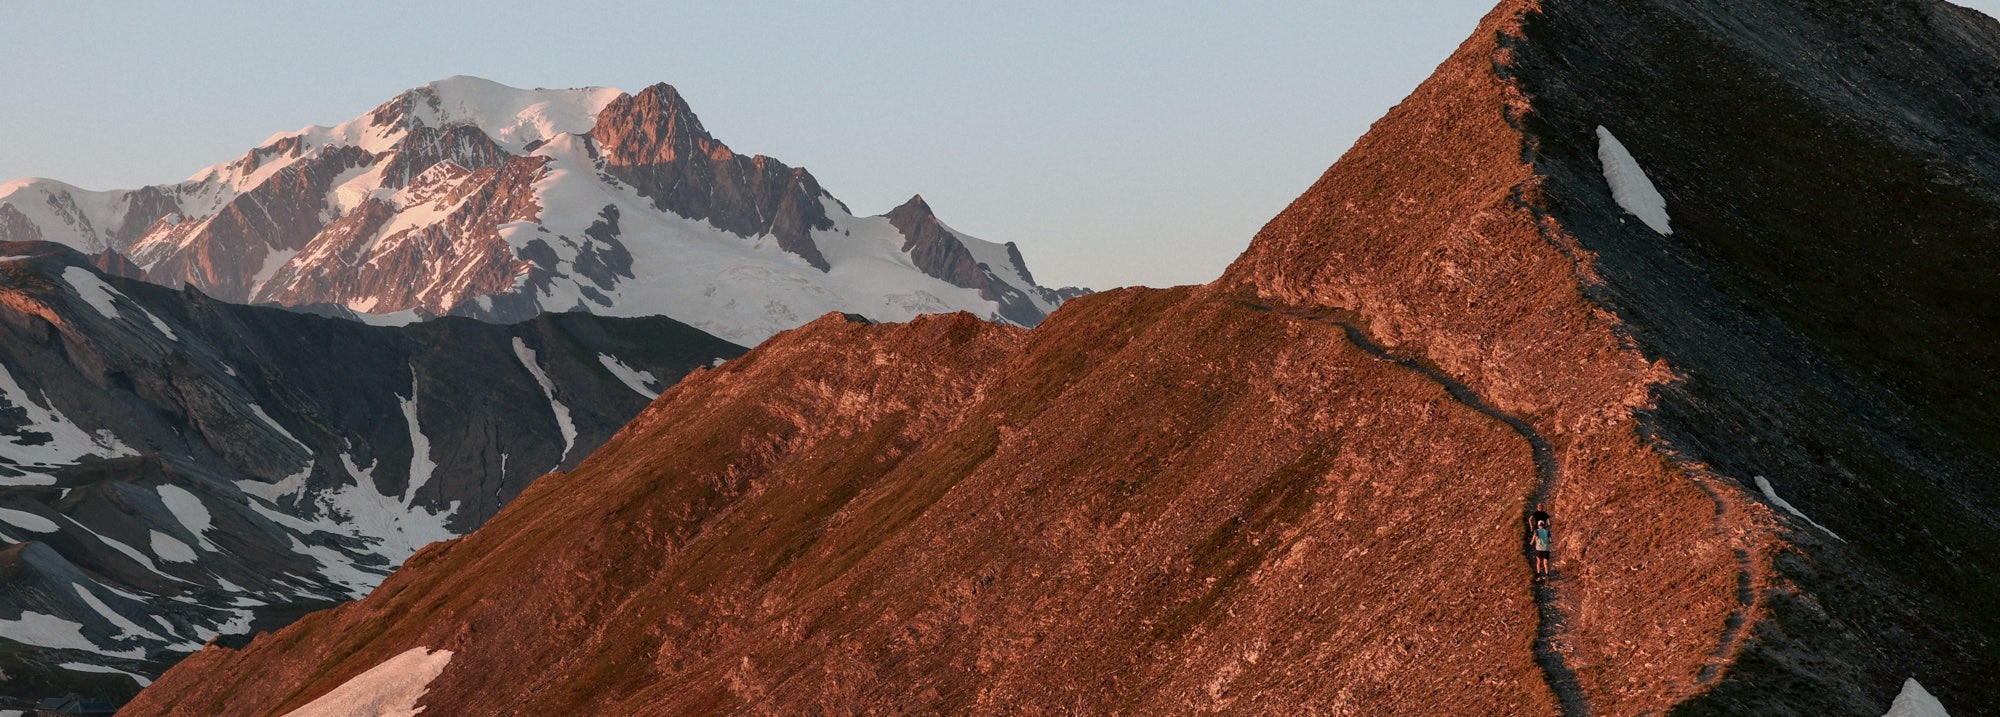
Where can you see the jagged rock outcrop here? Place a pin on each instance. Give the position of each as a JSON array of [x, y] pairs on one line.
[[175, 468], [468, 198], [1301, 489], [653, 142], [113, 263], [1000, 278]]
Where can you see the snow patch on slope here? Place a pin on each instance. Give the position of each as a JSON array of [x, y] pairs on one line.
[[1915, 701], [190, 512], [127, 550], [390, 689], [40, 630], [128, 630], [93, 291], [171, 549], [568, 428], [421, 466], [86, 667], [101, 296], [27, 521], [1629, 185], [742, 289], [366, 513], [273, 423], [641, 382], [389, 527], [69, 442], [273, 492], [1772, 494], [159, 325]]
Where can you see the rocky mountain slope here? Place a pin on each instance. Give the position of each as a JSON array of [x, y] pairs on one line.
[[468, 198], [1708, 279], [175, 468]]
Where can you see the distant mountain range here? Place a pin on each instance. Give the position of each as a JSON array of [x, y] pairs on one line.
[[468, 198], [174, 468]]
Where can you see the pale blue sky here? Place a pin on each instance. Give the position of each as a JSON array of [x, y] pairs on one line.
[[1117, 142]]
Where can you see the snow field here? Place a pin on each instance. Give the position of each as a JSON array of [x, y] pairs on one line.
[[392, 526], [390, 689], [1915, 701]]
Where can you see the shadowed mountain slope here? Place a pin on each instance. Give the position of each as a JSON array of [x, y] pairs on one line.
[[175, 469], [1301, 489]]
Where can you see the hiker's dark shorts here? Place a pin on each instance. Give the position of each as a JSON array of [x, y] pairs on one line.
[[1543, 554]]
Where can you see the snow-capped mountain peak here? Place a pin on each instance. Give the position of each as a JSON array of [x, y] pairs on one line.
[[469, 197]]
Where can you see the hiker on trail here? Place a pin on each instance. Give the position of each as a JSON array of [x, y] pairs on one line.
[[1541, 539], [1539, 517]]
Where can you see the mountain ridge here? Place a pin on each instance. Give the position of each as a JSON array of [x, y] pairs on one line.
[[1220, 499], [467, 197]]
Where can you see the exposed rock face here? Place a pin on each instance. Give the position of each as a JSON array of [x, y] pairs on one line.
[[201, 468], [653, 142], [1301, 489], [464, 197], [424, 147], [226, 253], [941, 253], [15, 226], [360, 253], [113, 263]]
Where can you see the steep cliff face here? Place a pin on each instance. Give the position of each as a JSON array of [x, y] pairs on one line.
[[996, 272], [1431, 230], [174, 468], [1828, 300], [468, 198], [654, 143], [1301, 489]]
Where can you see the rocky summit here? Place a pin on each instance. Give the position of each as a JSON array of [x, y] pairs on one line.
[[176, 469], [1711, 281], [465, 197]]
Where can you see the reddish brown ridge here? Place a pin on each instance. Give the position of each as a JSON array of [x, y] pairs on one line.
[[1207, 499]]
